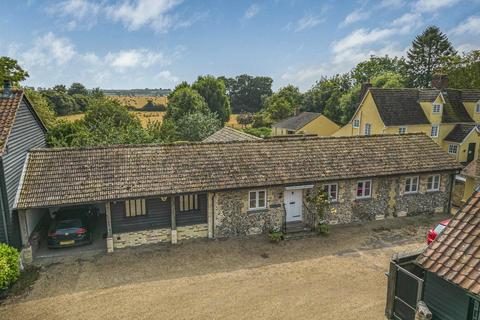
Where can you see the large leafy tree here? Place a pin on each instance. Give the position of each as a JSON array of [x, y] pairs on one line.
[[426, 55], [42, 107], [463, 71], [283, 103], [77, 88], [247, 93], [365, 71], [11, 70], [213, 91], [197, 126], [183, 101]]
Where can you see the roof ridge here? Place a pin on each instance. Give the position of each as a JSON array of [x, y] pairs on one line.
[[199, 143]]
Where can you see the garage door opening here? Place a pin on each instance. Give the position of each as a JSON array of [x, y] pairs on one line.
[[71, 230]]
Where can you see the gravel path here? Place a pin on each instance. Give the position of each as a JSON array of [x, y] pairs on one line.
[[336, 277]]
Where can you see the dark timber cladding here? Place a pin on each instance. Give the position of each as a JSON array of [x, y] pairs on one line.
[[85, 175]]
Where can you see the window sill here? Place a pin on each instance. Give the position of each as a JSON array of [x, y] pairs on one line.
[[434, 191], [410, 193], [363, 198], [259, 210]]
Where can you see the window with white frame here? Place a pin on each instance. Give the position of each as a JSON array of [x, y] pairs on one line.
[[452, 148], [356, 123], [433, 183], [364, 189], [135, 208], [434, 131], [368, 129], [477, 107], [411, 185], [437, 107], [331, 190], [257, 199], [188, 202], [402, 130]]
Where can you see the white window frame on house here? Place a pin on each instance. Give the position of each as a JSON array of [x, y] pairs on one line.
[[188, 202], [434, 133], [363, 188], [402, 130], [453, 148], [437, 108], [332, 191], [411, 185], [368, 131], [135, 208], [356, 123], [433, 183], [256, 199]]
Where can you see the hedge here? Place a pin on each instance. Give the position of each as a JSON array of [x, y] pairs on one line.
[[9, 266]]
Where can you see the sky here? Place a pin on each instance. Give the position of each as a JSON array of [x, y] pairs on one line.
[[159, 43]]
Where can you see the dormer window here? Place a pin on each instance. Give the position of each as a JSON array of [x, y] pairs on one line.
[[356, 123], [477, 107], [437, 108]]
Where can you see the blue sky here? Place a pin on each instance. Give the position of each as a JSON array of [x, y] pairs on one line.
[[157, 43]]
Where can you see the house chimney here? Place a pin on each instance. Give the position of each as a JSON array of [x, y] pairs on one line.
[[364, 89], [297, 111], [440, 81], [7, 88]]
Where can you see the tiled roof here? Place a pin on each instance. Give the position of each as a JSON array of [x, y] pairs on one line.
[[399, 106], [455, 254], [8, 109], [470, 170], [402, 106], [229, 134], [459, 132], [297, 122], [69, 176]]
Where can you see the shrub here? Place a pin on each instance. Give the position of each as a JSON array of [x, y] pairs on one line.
[[9, 266], [275, 235], [259, 132], [323, 229]]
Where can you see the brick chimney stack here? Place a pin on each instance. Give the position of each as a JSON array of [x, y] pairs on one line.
[[363, 91], [7, 88], [440, 81]]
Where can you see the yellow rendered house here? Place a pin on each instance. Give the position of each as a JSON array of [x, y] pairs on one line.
[[305, 123], [449, 116]]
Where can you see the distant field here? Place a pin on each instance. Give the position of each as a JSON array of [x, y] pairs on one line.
[[139, 102], [146, 116]]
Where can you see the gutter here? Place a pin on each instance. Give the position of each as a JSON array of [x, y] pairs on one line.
[[452, 181]]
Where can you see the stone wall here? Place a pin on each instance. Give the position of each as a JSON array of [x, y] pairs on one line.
[[233, 218], [192, 232], [132, 239]]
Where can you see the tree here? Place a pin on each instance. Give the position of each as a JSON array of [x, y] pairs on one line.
[[348, 103], [42, 107], [213, 91], [375, 66], [247, 93], [388, 80], [183, 101], [10, 70], [197, 126], [426, 55], [245, 118], [60, 88], [463, 71], [97, 93], [279, 107], [62, 103], [77, 88]]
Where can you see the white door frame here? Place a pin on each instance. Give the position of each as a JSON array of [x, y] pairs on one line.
[[293, 202]]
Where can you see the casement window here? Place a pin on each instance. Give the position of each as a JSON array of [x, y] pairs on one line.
[[452, 148], [368, 129], [411, 185], [135, 208], [188, 202], [364, 189], [402, 130], [331, 190], [477, 108], [257, 199], [433, 183], [437, 108], [356, 123], [434, 131]]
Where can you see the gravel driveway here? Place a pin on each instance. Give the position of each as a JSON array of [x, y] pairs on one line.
[[340, 276]]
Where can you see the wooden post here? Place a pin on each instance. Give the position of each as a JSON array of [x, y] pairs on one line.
[[210, 221], [26, 253], [108, 214], [174, 220]]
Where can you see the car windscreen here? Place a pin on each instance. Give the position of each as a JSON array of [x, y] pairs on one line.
[[69, 224], [439, 228]]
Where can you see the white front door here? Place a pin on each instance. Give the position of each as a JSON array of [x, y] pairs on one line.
[[293, 205]]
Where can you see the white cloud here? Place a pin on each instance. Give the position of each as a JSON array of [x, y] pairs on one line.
[[433, 5], [78, 12], [305, 74], [392, 4], [166, 75], [408, 22], [470, 26], [134, 58], [306, 22], [361, 37], [49, 50], [252, 11], [467, 47], [355, 16]]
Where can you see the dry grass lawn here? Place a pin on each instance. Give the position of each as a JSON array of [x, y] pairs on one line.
[[336, 277], [139, 102]]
